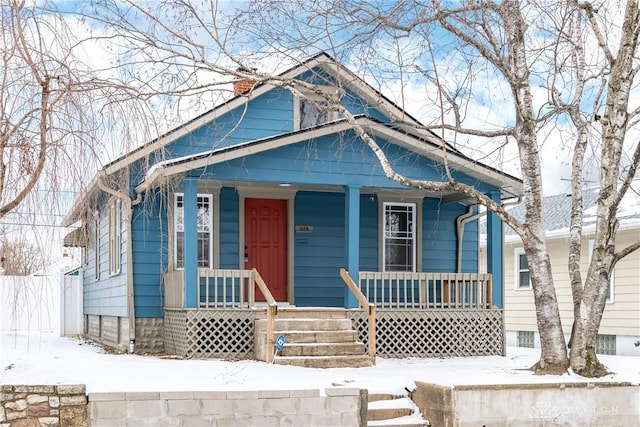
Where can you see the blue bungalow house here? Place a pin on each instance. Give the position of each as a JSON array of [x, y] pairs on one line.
[[267, 217]]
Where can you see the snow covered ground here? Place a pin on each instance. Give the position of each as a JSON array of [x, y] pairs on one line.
[[40, 358]]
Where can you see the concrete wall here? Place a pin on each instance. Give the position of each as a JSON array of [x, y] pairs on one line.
[[338, 406], [43, 406], [114, 332], [108, 330], [567, 404]]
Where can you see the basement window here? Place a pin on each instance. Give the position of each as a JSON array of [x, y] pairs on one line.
[[526, 339], [606, 344]]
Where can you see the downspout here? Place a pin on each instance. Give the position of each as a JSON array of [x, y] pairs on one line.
[[130, 294], [461, 221], [468, 216]]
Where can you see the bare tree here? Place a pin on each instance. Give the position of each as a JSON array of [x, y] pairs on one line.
[[56, 108], [19, 257], [541, 65]]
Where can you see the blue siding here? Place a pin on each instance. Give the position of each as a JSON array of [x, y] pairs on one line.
[[439, 236], [107, 295], [319, 255], [368, 233], [334, 160], [149, 239], [330, 160], [229, 228]]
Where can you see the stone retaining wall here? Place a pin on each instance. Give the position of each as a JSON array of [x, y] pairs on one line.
[[340, 406], [43, 406]]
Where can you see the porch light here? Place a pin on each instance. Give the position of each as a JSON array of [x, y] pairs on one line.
[[285, 184]]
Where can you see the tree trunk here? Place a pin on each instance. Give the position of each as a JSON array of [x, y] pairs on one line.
[[553, 358]]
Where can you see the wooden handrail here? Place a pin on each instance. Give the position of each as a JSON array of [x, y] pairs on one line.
[[272, 312], [371, 311]]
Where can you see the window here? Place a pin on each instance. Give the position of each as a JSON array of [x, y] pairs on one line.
[[204, 230], [399, 237], [96, 235], [610, 289], [526, 339], [522, 276], [606, 344], [310, 110], [115, 229]]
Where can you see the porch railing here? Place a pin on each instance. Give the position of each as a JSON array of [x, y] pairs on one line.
[[371, 312], [217, 288], [225, 289], [408, 290]]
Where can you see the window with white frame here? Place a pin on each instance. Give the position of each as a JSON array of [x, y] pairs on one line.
[[204, 230], [311, 110], [96, 238], [522, 277], [115, 230], [610, 289], [399, 248]]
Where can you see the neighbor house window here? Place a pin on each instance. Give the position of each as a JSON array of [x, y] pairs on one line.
[[204, 230], [610, 289], [522, 276], [311, 110], [115, 229], [399, 237], [606, 344], [526, 339]]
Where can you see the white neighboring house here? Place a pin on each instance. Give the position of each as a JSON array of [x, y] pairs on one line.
[[619, 331]]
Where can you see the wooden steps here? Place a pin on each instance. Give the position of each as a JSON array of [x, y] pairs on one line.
[[314, 338], [386, 410]]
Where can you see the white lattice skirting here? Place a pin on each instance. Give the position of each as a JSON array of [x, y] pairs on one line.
[[230, 333], [433, 333], [219, 333]]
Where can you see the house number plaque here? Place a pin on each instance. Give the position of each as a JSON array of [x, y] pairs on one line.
[[304, 228]]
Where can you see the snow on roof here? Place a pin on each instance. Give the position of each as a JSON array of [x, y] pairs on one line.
[[557, 213]]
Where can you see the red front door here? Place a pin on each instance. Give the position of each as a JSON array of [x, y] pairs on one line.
[[265, 231]]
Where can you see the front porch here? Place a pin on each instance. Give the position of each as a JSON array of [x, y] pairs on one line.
[[399, 314]]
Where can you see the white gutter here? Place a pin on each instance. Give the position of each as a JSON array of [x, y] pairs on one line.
[[130, 294], [466, 217], [460, 223]]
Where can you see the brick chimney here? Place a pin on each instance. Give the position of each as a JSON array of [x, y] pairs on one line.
[[241, 85]]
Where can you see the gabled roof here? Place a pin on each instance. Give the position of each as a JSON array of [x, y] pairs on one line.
[[557, 213], [407, 134], [510, 185], [322, 61]]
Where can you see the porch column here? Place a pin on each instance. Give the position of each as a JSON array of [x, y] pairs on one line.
[[190, 206], [495, 254], [352, 239]]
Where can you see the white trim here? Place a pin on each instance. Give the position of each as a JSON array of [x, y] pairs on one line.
[[308, 94], [96, 255], [114, 208], [288, 194], [517, 270], [456, 161], [174, 255], [414, 232]]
